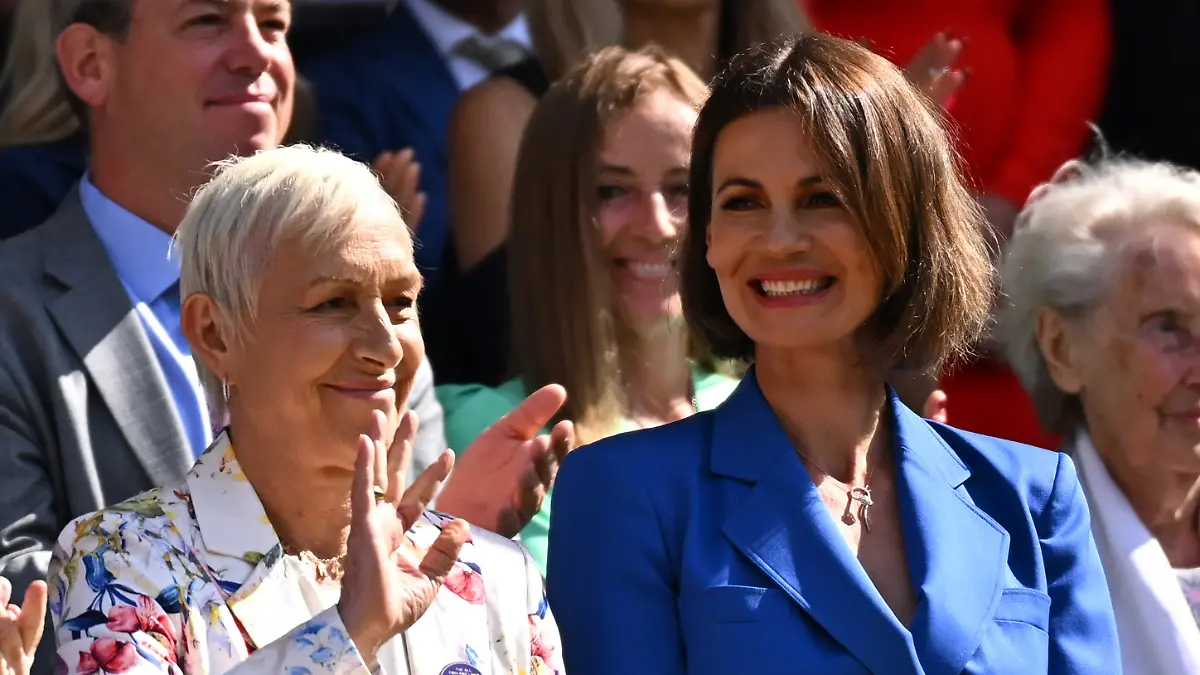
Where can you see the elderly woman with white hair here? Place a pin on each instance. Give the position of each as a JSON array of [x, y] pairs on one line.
[[1103, 328], [293, 545]]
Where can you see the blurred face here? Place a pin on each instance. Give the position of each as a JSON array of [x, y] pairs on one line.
[[1138, 357], [642, 205], [199, 80], [335, 337], [794, 269]]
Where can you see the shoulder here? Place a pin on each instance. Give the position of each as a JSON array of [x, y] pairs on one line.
[[1030, 473], [666, 458], [471, 408], [136, 544], [498, 100]]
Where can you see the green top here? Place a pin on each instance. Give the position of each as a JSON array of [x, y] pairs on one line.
[[472, 408]]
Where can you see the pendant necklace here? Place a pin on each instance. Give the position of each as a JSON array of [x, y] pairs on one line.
[[862, 495]]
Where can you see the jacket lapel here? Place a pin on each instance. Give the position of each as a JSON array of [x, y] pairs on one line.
[[242, 550], [97, 320], [784, 528], [956, 553]]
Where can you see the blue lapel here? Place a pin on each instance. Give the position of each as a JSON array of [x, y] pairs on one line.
[[783, 527], [956, 553]]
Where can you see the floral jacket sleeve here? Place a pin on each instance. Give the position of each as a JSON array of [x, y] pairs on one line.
[[115, 613]]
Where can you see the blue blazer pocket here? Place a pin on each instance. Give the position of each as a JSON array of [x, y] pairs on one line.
[[1024, 605], [732, 604]]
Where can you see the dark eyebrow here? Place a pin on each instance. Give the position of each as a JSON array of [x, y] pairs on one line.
[[737, 181], [270, 5], [615, 168]]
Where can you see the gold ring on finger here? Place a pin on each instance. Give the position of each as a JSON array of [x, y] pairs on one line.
[[378, 492]]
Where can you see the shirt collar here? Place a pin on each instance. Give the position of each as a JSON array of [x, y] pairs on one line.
[[446, 31], [139, 252]]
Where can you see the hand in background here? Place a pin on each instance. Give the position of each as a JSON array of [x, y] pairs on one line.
[[932, 68], [400, 174], [390, 582], [502, 478], [20, 627]]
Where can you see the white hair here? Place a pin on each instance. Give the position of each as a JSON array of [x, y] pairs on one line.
[[1064, 250], [251, 206]]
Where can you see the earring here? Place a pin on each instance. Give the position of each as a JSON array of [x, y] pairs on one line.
[[224, 389]]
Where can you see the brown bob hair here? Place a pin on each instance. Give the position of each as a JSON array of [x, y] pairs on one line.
[[563, 326], [883, 148]]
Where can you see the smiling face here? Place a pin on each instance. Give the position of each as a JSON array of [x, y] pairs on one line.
[[199, 80], [335, 336], [642, 192], [1136, 360], [794, 268]]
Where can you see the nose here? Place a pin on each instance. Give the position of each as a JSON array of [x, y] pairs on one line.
[[375, 340], [251, 53], [786, 233], [659, 223]]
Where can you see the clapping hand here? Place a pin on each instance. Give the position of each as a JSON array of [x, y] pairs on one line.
[[400, 174], [20, 627], [931, 69], [390, 582], [502, 478]]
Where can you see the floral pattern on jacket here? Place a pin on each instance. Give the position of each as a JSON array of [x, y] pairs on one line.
[[192, 581]]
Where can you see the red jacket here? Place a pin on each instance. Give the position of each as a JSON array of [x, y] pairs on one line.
[[1038, 70]]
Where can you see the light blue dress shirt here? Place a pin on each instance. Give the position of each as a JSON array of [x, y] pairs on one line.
[[140, 254]]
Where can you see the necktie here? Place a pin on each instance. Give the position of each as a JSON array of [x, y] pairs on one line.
[[180, 373], [491, 53]]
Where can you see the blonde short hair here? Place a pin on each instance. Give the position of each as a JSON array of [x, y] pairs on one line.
[[1064, 251], [251, 206]]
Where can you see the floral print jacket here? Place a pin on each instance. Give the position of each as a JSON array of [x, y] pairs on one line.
[[192, 580]]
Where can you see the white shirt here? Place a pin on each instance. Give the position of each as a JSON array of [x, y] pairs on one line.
[[446, 31]]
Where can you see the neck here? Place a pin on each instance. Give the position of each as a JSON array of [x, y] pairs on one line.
[[309, 509], [488, 17], [1168, 505], [830, 406], [656, 372], [156, 194], [691, 35]]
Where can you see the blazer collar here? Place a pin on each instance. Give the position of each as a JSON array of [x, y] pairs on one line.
[[242, 551], [784, 528], [97, 320]]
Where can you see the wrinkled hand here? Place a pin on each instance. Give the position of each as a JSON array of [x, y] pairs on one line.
[[502, 478], [390, 582], [400, 174], [931, 69], [20, 627]]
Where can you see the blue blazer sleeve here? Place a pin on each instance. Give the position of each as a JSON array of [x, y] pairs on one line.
[[1083, 632], [610, 578]]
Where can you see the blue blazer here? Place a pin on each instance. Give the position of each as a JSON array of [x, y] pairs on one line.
[[388, 90], [703, 547]]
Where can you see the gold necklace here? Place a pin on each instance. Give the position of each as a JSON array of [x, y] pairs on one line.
[[324, 569], [862, 495]]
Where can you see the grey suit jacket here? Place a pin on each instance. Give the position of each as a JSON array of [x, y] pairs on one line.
[[86, 418]]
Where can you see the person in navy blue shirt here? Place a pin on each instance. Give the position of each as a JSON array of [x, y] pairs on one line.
[[812, 523]]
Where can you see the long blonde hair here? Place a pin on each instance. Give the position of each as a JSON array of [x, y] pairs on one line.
[[564, 31], [563, 325], [38, 110]]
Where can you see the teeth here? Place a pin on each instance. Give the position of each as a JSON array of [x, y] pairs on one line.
[[649, 270], [777, 288]]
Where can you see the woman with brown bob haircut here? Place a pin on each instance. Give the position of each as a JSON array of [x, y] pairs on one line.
[[812, 522], [598, 205]]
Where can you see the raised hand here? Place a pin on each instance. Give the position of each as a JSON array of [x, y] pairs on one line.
[[390, 582], [400, 174], [932, 68], [502, 478], [20, 627]]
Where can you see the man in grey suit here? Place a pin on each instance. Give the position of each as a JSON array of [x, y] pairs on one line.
[[99, 398]]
